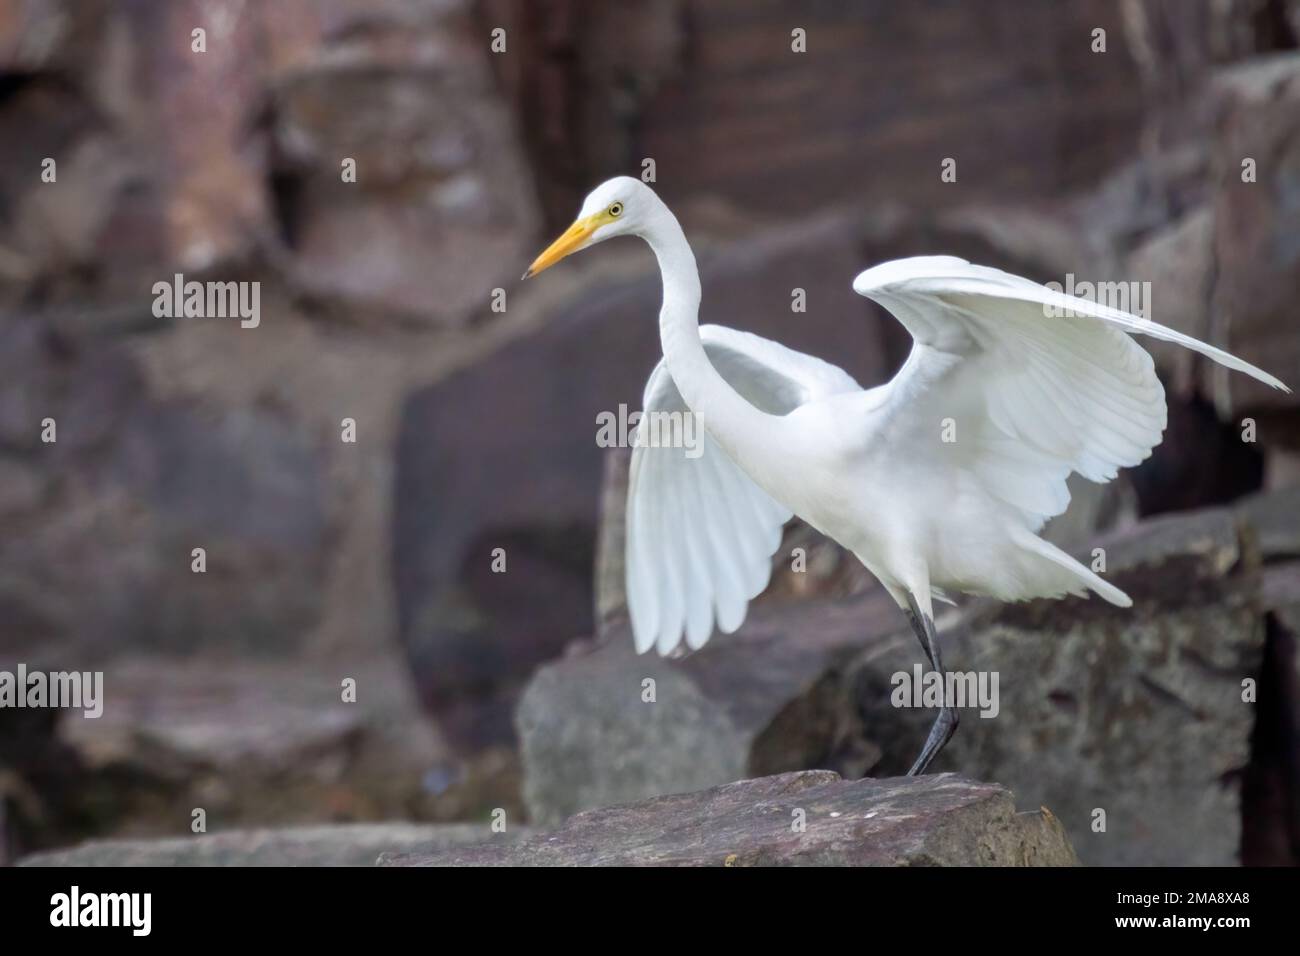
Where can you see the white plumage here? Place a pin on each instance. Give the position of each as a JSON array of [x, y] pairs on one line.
[[700, 532], [1031, 384], [938, 480]]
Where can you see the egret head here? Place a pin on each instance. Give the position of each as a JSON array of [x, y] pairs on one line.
[[617, 207]]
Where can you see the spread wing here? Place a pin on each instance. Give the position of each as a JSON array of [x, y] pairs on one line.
[[700, 533], [1035, 383]]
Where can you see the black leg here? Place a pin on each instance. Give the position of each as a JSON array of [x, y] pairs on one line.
[[945, 725], [914, 618]]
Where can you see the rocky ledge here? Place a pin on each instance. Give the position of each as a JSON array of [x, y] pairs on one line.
[[343, 844], [809, 818]]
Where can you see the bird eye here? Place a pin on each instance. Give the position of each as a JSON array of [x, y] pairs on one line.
[[616, 209]]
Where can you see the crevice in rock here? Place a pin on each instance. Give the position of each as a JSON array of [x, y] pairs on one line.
[[1274, 28], [1201, 462], [1270, 782]]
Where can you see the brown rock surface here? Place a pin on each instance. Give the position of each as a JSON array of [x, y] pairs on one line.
[[713, 92], [441, 211], [1256, 225], [813, 818], [357, 844]]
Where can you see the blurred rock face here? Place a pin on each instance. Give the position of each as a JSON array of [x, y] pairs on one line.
[[720, 96], [361, 147], [329, 560], [98, 552], [1257, 225], [442, 207], [229, 155]]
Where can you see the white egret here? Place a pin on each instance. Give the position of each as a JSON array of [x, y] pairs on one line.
[[937, 480]]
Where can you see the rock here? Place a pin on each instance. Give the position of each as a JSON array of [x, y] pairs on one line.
[[440, 211], [44, 36], [218, 198], [54, 229], [357, 844], [1178, 262], [1201, 461], [1256, 221], [249, 742], [669, 80], [161, 163], [1094, 509], [1273, 520], [1271, 787], [762, 701], [940, 820], [681, 80], [611, 540], [1137, 712], [204, 162], [174, 435], [154, 478]]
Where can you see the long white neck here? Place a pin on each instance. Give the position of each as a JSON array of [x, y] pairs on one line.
[[732, 421]]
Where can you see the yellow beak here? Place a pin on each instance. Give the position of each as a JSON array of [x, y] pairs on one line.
[[574, 238]]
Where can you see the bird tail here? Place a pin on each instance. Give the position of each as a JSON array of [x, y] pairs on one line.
[[1059, 574]]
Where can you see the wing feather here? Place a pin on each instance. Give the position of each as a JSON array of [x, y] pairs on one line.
[[1042, 383], [700, 533]]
